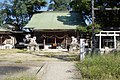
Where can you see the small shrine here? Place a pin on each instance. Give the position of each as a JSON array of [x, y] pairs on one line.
[[7, 40]]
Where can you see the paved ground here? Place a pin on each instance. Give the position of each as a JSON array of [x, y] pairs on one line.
[[60, 71]]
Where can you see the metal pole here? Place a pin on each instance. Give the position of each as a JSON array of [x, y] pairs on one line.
[[93, 34]]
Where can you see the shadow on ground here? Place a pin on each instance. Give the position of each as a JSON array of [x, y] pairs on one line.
[[63, 57], [11, 69]]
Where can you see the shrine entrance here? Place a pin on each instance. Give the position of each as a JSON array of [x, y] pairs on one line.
[[107, 39], [54, 39], [107, 42]]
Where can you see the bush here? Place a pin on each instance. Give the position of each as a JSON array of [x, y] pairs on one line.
[[105, 67]]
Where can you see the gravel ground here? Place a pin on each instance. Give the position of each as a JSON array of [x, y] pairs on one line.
[[19, 64], [54, 68], [60, 71]]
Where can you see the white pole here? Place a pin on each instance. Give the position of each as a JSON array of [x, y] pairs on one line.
[[100, 41], [114, 40]]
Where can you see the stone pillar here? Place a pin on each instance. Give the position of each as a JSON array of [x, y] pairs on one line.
[[82, 49]]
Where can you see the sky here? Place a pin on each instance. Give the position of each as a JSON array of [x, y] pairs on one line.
[[1, 0], [43, 8]]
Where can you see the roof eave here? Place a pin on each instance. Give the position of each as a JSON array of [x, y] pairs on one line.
[[53, 30]]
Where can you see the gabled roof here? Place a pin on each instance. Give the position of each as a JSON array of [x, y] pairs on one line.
[[3, 30], [55, 21]]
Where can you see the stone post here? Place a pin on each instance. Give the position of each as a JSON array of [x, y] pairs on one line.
[[82, 49]]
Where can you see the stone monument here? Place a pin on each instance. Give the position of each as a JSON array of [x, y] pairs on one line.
[[32, 45], [74, 44]]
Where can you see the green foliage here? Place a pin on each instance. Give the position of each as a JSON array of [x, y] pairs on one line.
[[105, 18], [82, 29], [108, 18], [88, 29], [18, 12], [34, 5], [109, 3], [59, 5], [81, 5], [96, 28], [0, 18], [105, 67]]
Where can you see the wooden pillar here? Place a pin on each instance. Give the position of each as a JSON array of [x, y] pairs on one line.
[[100, 41], [66, 42], [44, 43], [13, 40], [1, 39], [55, 41]]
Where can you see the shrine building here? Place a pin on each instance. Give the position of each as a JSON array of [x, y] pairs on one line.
[[55, 29]]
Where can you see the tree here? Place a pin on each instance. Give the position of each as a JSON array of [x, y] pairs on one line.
[[19, 12], [1, 21], [83, 6], [4, 9], [106, 18], [59, 5], [88, 29], [34, 6], [106, 14]]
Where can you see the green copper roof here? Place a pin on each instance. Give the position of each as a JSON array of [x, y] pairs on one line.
[[55, 21], [4, 30]]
